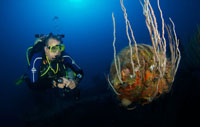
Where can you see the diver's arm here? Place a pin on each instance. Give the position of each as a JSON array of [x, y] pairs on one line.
[[33, 81], [69, 62]]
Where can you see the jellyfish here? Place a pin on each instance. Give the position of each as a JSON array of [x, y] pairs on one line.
[[55, 19], [140, 73]]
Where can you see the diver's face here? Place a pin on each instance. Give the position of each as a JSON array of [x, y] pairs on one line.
[[50, 52]]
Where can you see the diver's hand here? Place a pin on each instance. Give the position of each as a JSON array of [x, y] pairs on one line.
[[59, 85], [65, 83], [72, 84], [69, 83]]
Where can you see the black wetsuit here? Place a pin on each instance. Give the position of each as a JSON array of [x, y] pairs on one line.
[[39, 65]]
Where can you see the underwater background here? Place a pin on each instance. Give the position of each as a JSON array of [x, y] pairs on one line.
[[88, 29]]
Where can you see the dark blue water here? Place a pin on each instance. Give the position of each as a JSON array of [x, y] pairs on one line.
[[88, 29]]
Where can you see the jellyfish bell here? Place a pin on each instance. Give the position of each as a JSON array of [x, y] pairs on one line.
[[140, 73], [147, 84]]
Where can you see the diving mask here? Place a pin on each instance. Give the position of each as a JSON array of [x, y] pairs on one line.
[[56, 48]]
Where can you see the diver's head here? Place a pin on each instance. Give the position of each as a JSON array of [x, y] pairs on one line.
[[53, 47]]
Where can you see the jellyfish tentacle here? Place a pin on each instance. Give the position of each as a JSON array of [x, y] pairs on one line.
[[155, 74], [112, 86], [117, 61]]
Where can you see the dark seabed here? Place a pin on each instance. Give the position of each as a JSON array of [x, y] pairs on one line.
[[88, 29]]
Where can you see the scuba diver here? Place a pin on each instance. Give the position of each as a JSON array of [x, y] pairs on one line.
[[49, 65]]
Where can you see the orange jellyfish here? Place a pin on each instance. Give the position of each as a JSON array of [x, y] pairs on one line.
[[140, 73]]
